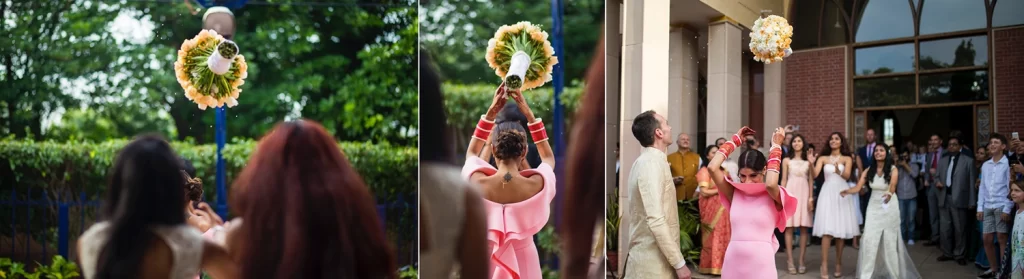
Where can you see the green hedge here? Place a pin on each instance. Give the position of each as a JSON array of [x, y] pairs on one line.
[[73, 167], [465, 103]]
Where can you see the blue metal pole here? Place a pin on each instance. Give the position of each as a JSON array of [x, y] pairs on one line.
[[558, 81], [222, 194]]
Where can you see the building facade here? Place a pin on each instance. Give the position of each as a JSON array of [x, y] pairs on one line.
[[907, 69]]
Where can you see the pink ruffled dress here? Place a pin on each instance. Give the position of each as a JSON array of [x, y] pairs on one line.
[[510, 227], [752, 212]]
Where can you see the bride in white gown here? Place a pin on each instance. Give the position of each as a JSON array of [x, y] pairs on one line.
[[882, 252]]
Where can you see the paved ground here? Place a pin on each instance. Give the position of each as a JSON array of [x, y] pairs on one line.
[[924, 256]]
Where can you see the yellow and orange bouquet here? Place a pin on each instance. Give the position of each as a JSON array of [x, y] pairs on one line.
[[521, 55], [770, 39], [211, 70]]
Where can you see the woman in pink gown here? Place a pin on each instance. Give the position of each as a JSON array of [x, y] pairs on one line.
[[757, 206], [517, 200]]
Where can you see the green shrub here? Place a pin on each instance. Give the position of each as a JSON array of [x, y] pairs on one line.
[[58, 269], [70, 168], [465, 103]]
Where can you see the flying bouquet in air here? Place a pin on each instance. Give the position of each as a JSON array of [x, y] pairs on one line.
[[210, 69], [522, 55], [770, 39]]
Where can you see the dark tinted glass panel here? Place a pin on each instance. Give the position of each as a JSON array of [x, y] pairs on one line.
[[954, 87], [833, 26], [1008, 13], [941, 16], [887, 91], [956, 52], [884, 19], [806, 19], [884, 59]]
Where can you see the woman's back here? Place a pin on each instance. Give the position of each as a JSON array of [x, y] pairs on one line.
[[175, 253]]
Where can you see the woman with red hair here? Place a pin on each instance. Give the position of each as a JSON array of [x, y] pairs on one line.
[[304, 211]]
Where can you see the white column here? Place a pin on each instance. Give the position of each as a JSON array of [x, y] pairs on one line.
[[613, 52], [725, 66], [683, 75], [745, 91], [645, 87], [774, 99], [631, 72]]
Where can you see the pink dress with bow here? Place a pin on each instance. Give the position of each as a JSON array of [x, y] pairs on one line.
[[510, 227], [751, 252]]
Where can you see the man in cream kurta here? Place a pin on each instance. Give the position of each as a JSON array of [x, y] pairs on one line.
[[654, 226]]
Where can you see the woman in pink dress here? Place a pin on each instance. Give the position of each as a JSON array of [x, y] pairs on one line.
[[796, 178], [517, 200], [756, 205]]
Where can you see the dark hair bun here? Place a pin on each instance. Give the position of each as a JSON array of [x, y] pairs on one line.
[[193, 188], [510, 141]]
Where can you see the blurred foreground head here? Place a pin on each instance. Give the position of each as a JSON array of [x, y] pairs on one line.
[[306, 211]]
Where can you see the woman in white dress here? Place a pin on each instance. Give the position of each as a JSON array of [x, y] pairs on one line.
[[834, 216], [142, 231], [882, 252]]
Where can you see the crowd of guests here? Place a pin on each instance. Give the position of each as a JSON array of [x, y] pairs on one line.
[[870, 197]]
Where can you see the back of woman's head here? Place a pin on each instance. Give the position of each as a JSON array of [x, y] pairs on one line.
[[193, 185], [752, 159], [144, 191], [509, 141], [306, 211]]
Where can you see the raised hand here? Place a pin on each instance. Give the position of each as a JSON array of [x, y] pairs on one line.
[[779, 136], [500, 98], [746, 131]]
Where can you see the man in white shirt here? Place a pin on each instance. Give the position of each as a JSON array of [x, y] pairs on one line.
[[654, 251], [993, 205]]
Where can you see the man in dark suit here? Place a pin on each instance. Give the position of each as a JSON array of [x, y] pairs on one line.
[[865, 159], [935, 152], [955, 190]]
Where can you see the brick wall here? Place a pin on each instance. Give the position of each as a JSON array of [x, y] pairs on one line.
[[816, 92], [1009, 80]]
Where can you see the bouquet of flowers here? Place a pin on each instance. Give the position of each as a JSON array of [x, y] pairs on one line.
[[522, 55], [210, 69], [770, 39]]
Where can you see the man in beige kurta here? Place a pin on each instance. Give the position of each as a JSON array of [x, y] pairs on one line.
[[654, 223]]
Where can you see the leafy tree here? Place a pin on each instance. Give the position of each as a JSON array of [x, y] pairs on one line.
[[456, 33]]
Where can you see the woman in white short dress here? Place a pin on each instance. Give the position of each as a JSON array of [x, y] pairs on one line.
[[834, 216]]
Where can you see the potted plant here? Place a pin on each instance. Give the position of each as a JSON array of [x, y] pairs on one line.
[[612, 219]]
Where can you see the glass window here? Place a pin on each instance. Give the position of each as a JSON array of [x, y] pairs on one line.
[[941, 16], [966, 86], [884, 19], [887, 91], [887, 132], [806, 19], [956, 52], [884, 59], [1007, 13]]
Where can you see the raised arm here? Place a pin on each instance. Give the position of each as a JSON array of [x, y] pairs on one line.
[[849, 169], [486, 123], [650, 196], [536, 129], [774, 155], [715, 166]]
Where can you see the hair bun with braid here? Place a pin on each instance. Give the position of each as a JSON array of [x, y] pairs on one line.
[[509, 141], [193, 187]]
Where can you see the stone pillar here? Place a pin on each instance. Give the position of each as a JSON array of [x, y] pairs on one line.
[[683, 75], [774, 99], [644, 87], [613, 54], [725, 72]]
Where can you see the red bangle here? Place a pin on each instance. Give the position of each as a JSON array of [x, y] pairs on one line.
[[727, 148], [485, 124], [539, 135], [481, 134], [773, 165], [737, 140], [536, 125]]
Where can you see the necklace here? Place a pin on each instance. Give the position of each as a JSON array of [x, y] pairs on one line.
[[834, 159]]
